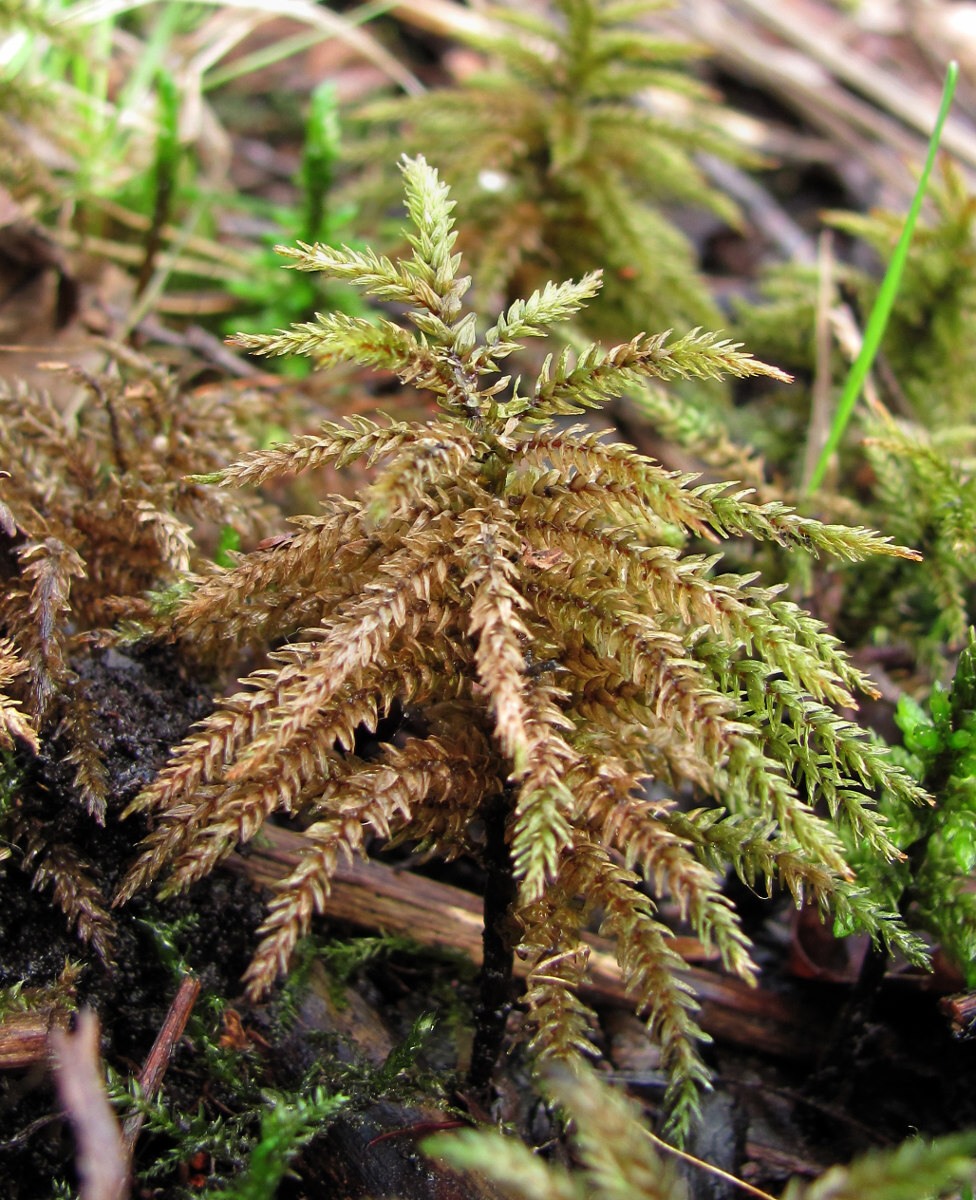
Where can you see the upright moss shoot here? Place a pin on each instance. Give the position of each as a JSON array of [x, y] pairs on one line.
[[520, 583]]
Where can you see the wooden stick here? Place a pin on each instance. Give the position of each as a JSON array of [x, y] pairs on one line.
[[374, 896], [158, 1059]]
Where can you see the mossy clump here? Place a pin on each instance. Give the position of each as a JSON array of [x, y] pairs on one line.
[[524, 586]]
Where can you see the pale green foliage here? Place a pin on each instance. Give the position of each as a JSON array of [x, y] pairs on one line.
[[521, 584], [563, 153], [929, 345], [930, 341], [934, 883], [913, 470], [915, 1170], [925, 485], [287, 1124], [617, 1160]]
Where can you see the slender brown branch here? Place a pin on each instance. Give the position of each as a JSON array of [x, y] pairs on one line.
[[158, 1059]]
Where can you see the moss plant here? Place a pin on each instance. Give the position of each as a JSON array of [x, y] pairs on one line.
[[913, 468], [520, 583], [565, 154]]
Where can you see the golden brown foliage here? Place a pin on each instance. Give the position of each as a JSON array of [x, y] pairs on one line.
[[517, 582], [95, 511]]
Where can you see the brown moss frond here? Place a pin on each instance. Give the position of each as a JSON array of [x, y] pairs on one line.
[[173, 537], [529, 726], [431, 458], [14, 724], [336, 444], [651, 969], [50, 566], [91, 775], [210, 746], [381, 797], [303, 893], [361, 633], [495, 622], [633, 827], [94, 514], [478, 778], [280, 587], [59, 866], [224, 814]]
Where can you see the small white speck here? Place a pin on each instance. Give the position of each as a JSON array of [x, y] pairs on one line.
[[492, 181]]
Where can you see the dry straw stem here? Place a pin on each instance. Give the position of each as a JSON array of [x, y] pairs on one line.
[[102, 1163], [516, 584]]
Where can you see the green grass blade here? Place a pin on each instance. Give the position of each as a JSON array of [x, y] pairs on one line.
[[881, 311]]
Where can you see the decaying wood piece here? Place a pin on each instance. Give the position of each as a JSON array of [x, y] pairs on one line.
[[24, 1036], [372, 895]]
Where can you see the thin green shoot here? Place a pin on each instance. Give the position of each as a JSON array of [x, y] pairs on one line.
[[151, 59], [878, 320], [319, 158], [166, 168]]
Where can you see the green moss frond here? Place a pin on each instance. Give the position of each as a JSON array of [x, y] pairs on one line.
[[557, 157], [559, 1024], [615, 1159], [531, 318], [597, 375], [934, 879], [518, 1171], [928, 487], [375, 274], [651, 970], [334, 336], [915, 1168], [929, 338], [668, 864]]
